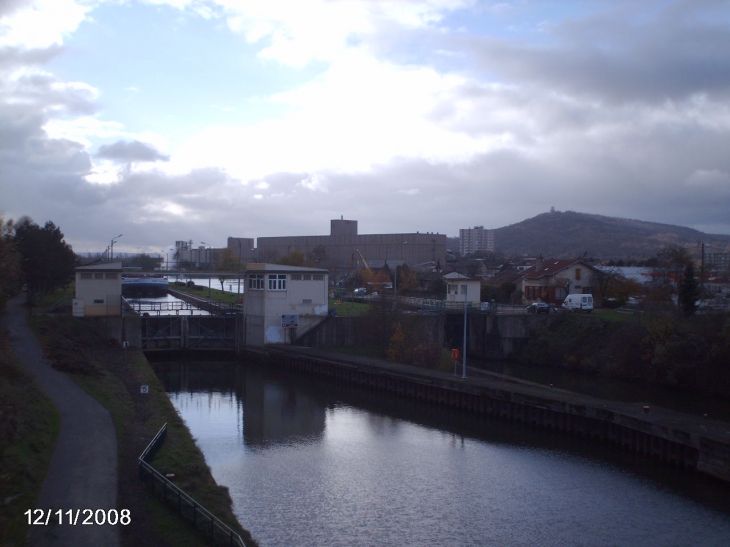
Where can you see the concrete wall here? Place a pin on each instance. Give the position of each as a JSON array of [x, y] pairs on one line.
[[488, 336]]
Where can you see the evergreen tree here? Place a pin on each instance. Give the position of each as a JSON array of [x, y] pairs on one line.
[[10, 273], [46, 260], [688, 291]]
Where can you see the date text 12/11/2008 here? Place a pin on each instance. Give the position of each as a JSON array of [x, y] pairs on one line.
[[80, 517]]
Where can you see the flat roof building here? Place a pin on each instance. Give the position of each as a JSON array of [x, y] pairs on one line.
[[283, 301], [98, 290], [475, 239], [343, 246]]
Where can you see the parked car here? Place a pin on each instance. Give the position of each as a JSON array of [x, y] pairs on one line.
[[538, 307]]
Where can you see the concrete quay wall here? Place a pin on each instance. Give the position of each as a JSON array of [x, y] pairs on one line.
[[489, 336], [672, 437]]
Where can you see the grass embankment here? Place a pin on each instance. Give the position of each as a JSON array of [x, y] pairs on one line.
[[213, 294], [349, 309], [114, 376], [659, 349], [28, 432]]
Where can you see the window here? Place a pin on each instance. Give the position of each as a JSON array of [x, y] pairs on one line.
[[577, 273], [256, 282], [318, 277], [110, 276], [296, 277], [307, 277], [97, 301], [86, 275], [277, 282], [98, 276]]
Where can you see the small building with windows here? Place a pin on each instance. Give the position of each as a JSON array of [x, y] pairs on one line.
[[98, 291], [283, 302], [460, 289]]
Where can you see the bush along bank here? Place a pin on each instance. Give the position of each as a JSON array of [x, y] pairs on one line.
[[114, 376], [667, 350]]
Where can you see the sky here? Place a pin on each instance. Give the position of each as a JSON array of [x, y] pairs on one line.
[[166, 120]]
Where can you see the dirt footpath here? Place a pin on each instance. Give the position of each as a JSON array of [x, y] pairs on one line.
[[83, 471]]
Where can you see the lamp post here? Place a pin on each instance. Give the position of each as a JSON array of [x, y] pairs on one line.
[[395, 277], [208, 262], [111, 247], [240, 263], [702, 271], [463, 357]]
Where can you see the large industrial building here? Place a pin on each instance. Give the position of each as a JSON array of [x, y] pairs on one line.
[[344, 246]]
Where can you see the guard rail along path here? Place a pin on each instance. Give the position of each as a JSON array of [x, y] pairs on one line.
[[212, 528], [689, 441]]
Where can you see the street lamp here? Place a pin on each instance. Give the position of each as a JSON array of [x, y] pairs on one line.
[[208, 262], [111, 247], [463, 362], [395, 276]]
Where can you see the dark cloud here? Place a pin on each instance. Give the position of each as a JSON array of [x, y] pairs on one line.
[[621, 55], [11, 57], [127, 152]]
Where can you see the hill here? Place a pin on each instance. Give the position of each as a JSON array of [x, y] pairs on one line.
[[569, 234]]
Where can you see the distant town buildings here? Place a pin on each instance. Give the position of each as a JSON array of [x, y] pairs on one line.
[[720, 262], [345, 247], [475, 239]]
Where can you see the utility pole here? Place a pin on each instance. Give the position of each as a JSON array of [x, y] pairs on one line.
[[111, 247]]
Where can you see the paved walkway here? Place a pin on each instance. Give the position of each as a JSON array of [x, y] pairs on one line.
[[83, 472]]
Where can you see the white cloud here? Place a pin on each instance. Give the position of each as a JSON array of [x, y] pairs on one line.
[[297, 32], [41, 23], [314, 182], [359, 113]]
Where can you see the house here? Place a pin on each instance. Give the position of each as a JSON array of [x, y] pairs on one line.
[[460, 288], [98, 291], [283, 301], [551, 280]]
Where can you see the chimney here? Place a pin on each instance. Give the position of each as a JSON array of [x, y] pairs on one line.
[[538, 263]]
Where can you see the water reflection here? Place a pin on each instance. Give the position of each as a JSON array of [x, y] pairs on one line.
[[311, 463]]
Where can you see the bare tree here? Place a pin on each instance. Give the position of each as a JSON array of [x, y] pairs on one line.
[[562, 283]]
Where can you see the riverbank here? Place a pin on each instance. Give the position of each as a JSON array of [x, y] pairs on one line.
[[659, 349], [672, 437], [114, 376]]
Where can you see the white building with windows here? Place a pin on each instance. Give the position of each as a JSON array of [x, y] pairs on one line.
[[98, 291], [460, 288], [283, 301]]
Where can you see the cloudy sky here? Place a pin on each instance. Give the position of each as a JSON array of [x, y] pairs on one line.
[[197, 120]]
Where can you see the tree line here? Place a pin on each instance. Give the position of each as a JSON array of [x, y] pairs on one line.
[[33, 258]]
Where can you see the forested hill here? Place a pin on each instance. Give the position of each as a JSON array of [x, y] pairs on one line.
[[570, 234]]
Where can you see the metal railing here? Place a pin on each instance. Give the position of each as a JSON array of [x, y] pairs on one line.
[[210, 526]]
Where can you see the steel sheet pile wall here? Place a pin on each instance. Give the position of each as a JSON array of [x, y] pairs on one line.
[[668, 436]]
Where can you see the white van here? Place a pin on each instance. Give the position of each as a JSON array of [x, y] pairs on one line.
[[578, 302]]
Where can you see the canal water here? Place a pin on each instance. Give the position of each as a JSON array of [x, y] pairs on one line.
[[311, 463]]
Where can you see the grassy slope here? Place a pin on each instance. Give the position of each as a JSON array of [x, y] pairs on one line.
[[114, 377], [28, 430]]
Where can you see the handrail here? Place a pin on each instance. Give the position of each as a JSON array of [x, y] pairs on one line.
[[214, 528]]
